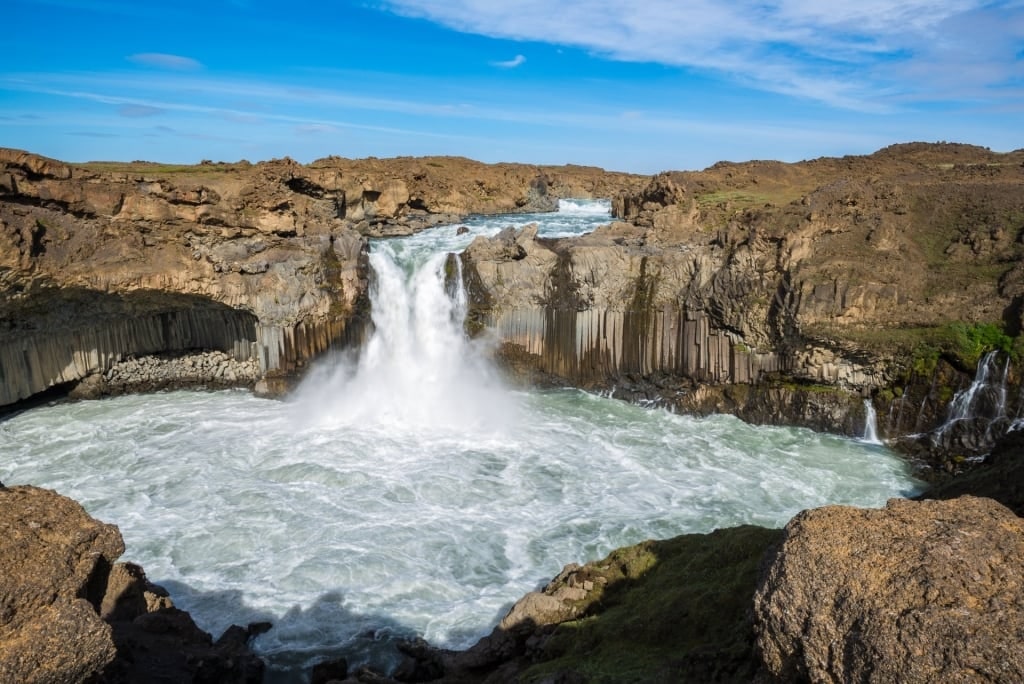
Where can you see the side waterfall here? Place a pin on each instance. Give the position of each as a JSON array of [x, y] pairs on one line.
[[977, 415], [870, 424]]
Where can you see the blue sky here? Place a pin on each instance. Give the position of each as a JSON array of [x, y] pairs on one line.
[[635, 86]]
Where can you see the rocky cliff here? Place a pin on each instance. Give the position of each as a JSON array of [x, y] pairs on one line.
[[780, 292], [104, 262]]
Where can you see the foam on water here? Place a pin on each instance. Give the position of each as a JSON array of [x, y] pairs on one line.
[[407, 492]]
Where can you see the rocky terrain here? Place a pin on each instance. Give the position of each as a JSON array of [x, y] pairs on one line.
[[70, 613], [104, 262], [783, 293]]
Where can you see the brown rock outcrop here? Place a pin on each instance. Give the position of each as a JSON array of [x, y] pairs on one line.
[[915, 592], [816, 277], [54, 560], [265, 262], [69, 613]]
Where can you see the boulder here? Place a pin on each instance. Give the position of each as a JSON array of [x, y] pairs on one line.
[[68, 613], [915, 592], [54, 562]]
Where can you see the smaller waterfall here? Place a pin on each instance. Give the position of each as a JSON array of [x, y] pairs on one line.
[[977, 415], [985, 398], [870, 424]]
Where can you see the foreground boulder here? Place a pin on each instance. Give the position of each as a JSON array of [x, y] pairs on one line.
[[53, 563], [918, 591], [69, 613]]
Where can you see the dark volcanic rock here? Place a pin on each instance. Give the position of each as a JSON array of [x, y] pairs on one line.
[[999, 477], [915, 592]]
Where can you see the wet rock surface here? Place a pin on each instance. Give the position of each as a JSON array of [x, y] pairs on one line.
[[69, 612], [915, 592]]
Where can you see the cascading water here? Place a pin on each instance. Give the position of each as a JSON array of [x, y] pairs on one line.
[[977, 415], [870, 424], [407, 492]]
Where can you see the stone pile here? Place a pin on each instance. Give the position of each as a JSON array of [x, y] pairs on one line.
[[212, 369], [206, 368]]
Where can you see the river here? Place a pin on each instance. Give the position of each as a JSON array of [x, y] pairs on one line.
[[406, 490]]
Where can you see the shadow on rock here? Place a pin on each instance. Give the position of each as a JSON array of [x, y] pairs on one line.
[[309, 642]]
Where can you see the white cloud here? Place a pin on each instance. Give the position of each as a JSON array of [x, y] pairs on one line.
[[164, 61], [851, 55], [510, 64]]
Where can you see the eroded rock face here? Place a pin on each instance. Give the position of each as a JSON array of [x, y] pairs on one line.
[[264, 262], [70, 613], [816, 277], [915, 592]]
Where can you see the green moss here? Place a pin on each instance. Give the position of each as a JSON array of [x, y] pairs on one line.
[[675, 610], [972, 341]]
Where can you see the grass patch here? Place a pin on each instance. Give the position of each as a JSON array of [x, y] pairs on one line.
[[958, 341], [738, 198]]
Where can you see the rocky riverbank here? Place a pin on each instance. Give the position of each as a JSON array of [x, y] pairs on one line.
[[782, 293], [70, 612], [916, 591]]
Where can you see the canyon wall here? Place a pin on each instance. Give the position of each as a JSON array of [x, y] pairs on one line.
[[781, 292], [101, 262]]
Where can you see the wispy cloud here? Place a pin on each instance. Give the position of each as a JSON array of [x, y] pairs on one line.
[[315, 129], [139, 111], [518, 60], [851, 55], [165, 61]]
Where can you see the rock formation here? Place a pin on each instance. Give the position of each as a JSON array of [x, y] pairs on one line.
[[915, 592], [779, 292], [104, 262], [70, 613]]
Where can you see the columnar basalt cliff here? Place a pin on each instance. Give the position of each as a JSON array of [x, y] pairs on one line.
[[266, 262], [780, 292]]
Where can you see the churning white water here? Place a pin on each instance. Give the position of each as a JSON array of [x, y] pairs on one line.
[[407, 491]]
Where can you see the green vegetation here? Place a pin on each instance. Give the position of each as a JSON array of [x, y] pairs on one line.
[[674, 610], [739, 198], [962, 343]]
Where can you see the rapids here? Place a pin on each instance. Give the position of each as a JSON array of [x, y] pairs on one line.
[[404, 490]]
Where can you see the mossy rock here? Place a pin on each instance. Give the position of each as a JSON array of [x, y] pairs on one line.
[[674, 610]]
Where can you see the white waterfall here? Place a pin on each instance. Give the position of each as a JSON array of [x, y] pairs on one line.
[[984, 398], [870, 424], [418, 371]]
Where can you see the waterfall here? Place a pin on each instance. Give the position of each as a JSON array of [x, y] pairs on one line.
[[418, 370], [977, 414], [970, 404], [870, 424]]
